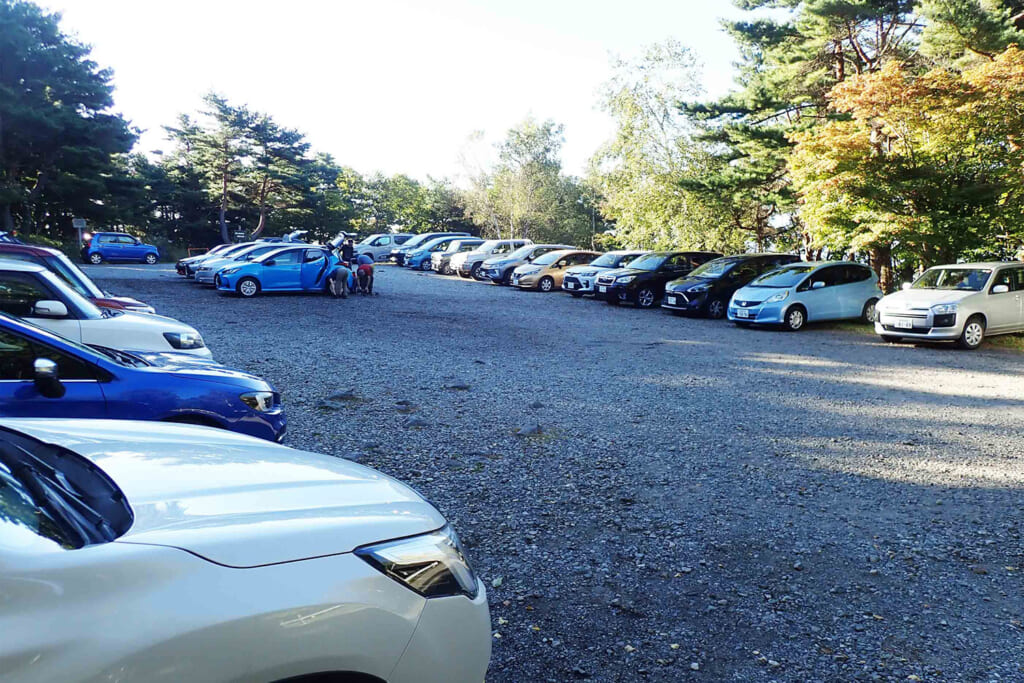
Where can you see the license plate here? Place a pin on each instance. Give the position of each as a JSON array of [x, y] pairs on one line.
[[904, 323], [602, 289], [570, 285], [742, 313], [671, 300]]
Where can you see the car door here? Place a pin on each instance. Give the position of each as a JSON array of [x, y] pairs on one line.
[[674, 267], [133, 248], [19, 294], [1003, 308], [19, 395], [283, 271], [822, 302], [855, 289], [314, 265]]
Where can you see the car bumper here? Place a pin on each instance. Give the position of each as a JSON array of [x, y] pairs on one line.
[[613, 292], [680, 301], [205, 277], [488, 274], [525, 281], [762, 314], [452, 642], [269, 426], [922, 328], [578, 285]]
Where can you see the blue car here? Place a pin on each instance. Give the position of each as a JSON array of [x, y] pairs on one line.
[[419, 257], [795, 294], [44, 375], [289, 269], [118, 246]]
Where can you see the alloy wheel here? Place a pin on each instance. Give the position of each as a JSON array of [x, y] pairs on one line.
[[795, 319], [95, 259], [546, 284], [248, 287], [645, 298], [716, 309], [150, 259]]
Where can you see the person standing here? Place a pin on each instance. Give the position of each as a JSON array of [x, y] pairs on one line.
[[348, 250]]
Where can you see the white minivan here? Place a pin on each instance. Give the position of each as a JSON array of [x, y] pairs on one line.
[[33, 293]]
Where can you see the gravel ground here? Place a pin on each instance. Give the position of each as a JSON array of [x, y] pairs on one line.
[[701, 503]]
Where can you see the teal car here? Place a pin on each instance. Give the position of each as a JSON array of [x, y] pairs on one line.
[[298, 268], [799, 293]]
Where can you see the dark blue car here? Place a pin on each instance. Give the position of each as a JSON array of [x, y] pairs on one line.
[[43, 375], [118, 246]]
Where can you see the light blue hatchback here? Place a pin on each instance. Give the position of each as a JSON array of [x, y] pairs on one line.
[[798, 293]]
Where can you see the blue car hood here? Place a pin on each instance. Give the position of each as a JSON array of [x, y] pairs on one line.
[[758, 293], [203, 369]]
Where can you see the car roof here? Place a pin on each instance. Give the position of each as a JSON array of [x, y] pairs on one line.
[[559, 246], [27, 248], [981, 264]]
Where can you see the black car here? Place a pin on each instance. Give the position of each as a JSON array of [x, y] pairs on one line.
[[708, 289], [643, 282]]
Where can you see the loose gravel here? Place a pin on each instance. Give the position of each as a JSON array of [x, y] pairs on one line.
[[658, 498]]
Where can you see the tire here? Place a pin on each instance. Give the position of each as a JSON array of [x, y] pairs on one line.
[[796, 318], [868, 315], [716, 309], [447, 270], [546, 284], [646, 298], [150, 259], [506, 278], [95, 258], [973, 333], [247, 287], [890, 339], [425, 265]]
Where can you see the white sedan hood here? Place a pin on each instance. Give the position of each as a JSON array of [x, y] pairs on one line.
[[923, 298], [236, 500]]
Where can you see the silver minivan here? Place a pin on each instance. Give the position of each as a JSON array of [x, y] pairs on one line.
[[379, 245], [961, 303]]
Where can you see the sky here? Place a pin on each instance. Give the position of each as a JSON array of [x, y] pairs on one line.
[[396, 86]]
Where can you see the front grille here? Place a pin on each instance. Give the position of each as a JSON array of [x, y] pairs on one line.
[[747, 304], [606, 280], [915, 330]]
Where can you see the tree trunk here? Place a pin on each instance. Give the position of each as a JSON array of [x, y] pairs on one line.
[[881, 260], [224, 210]]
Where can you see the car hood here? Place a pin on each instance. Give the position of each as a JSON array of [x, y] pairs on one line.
[[923, 298], [236, 500], [575, 270], [199, 368], [492, 262], [150, 322], [215, 262], [617, 272], [758, 293], [684, 283]]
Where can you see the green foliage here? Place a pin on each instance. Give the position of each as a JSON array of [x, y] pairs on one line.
[[959, 30]]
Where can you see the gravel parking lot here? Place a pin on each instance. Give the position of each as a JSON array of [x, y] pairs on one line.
[[701, 502]]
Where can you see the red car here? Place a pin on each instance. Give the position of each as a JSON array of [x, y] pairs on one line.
[[62, 266]]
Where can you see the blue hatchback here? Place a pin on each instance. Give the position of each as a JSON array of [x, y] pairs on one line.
[[118, 246], [798, 293], [289, 269], [44, 375]]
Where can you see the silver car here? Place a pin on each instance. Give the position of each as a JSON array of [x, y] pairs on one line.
[[468, 264], [378, 245], [207, 270], [580, 280], [441, 261], [498, 269], [961, 303]]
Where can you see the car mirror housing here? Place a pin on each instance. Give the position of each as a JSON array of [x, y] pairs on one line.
[[817, 285], [1000, 289], [270, 262], [50, 309], [47, 378]]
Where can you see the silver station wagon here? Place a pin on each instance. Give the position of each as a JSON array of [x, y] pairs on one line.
[[961, 303]]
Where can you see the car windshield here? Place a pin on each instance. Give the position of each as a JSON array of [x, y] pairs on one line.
[[712, 270], [609, 260], [970, 279], [548, 258], [70, 273], [521, 252], [367, 240], [789, 276], [647, 262], [88, 308], [416, 241], [487, 246]]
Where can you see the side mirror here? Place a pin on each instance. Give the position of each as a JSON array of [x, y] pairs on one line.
[[270, 262], [47, 378], [906, 285], [1000, 289], [817, 285], [50, 309]]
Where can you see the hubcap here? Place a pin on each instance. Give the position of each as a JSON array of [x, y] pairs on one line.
[[151, 259], [646, 298], [869, 314], [715, 309], [248, 288], [796, 319], [95, 258], [973, 334], [545, 285]]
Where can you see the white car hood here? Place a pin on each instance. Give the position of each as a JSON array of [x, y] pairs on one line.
[[236, 500], [148, 322], [923, 298]]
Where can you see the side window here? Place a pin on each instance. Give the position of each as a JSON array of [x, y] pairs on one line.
[[287, 257], [68, 367], [124, 239], [701, 259], [501, 249], [679, 261], [102, 239], [313, 255], [857, 274], [832, 276], [25, 258], [19, 293], [381, 241], [1006, 276], [16, 357], [745, 272], [1018, 279]]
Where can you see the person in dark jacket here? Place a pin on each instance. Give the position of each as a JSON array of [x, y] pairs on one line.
[[348, 250]]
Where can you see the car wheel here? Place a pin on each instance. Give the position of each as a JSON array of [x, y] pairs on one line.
[[425, 265], [474, 271], [546, 284], [796, 318], [868, 315], [716, 309], [506, 277], [95, 259], [889, 339], [150, 259], [645, 298], [248, 287], [973, 334], [447, 270]]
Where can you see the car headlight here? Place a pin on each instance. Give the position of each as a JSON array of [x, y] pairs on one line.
[[184, 340], [625, 278], [699, 289], [433, 564], [260, 401], [774, 298], [229, 271], [944, 309], [586, 273]]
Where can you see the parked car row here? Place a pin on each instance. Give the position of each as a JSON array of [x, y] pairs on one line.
[[961, 303], [188, 512]]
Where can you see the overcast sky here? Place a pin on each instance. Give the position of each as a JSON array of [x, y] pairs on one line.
[[391, 85]]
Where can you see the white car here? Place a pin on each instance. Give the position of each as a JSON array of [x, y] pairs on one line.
[[34, 293], [140, 551], [468, 264], [962, 303], [206, 271]]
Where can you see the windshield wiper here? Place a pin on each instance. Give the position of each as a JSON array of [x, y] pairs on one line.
[[120, 356]]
